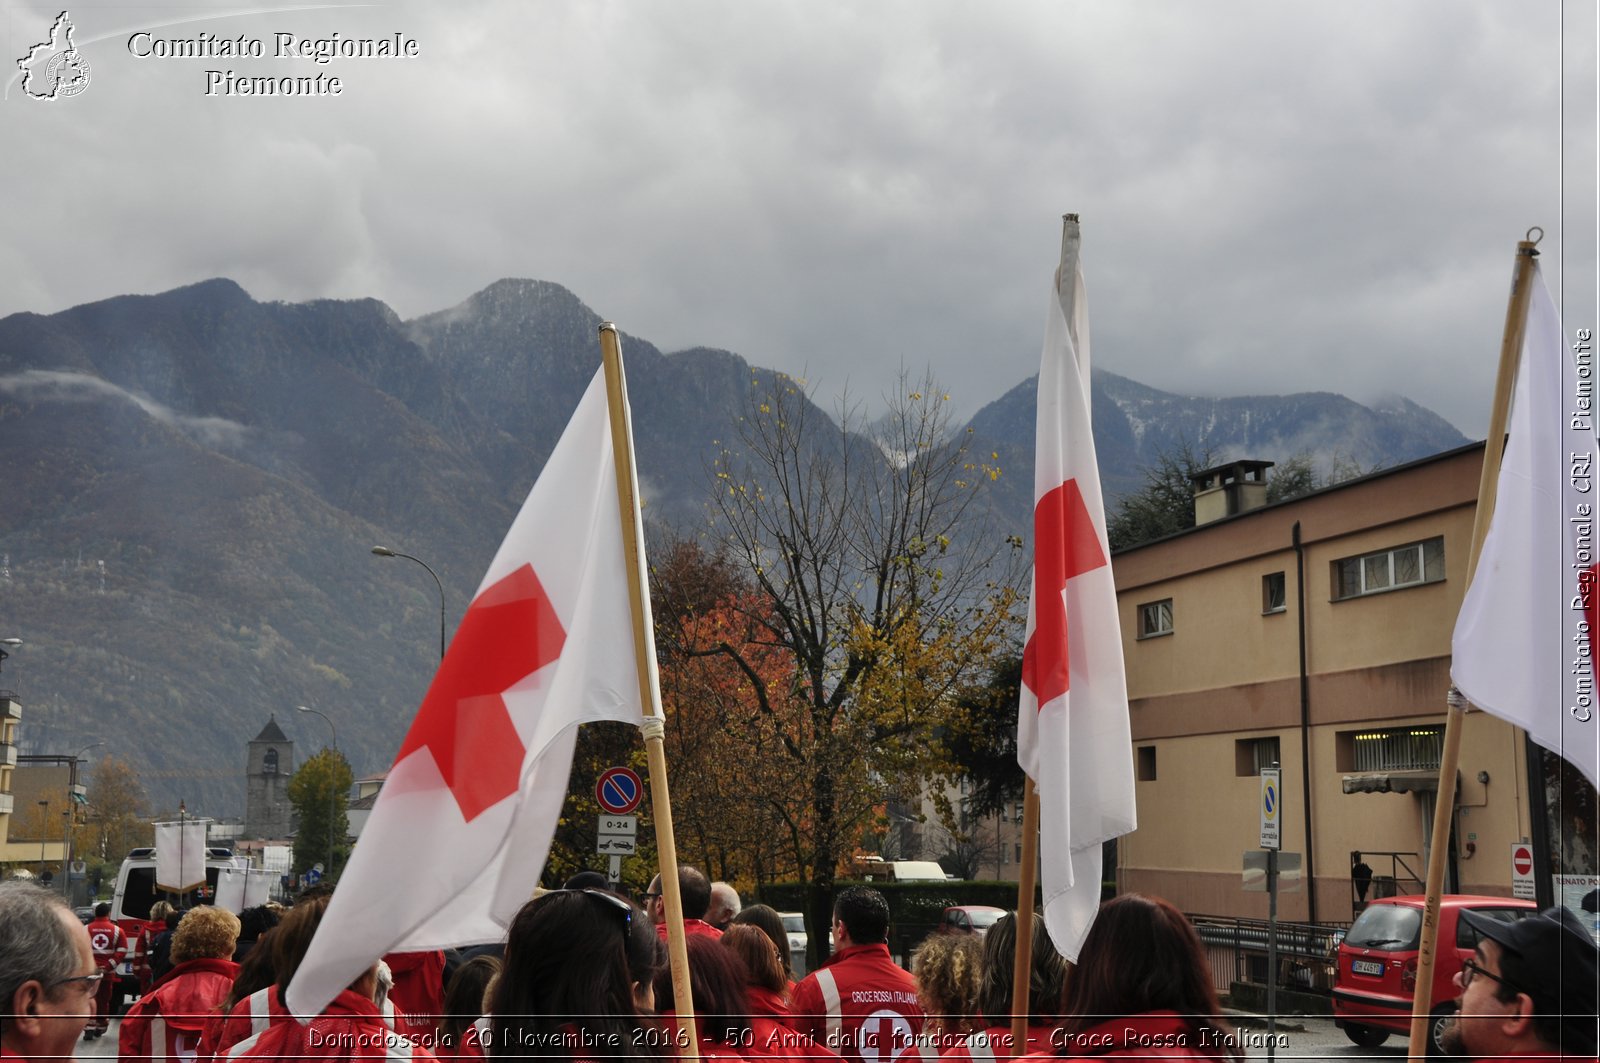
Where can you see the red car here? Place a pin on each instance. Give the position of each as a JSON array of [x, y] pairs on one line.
[[1376, 977]]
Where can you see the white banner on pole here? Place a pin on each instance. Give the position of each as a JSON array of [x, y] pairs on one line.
[[181, 855], [239, 888]]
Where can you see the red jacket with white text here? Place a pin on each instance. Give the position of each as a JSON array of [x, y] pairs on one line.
[[860, 1004]]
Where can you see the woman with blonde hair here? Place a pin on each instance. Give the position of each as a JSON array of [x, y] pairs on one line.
[[177, 1006], [948, 969]]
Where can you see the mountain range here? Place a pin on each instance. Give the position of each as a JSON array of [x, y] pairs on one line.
[[194, 481]]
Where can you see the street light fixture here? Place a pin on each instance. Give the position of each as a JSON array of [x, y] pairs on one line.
[[333, 792], [384, 551], [7, 645]]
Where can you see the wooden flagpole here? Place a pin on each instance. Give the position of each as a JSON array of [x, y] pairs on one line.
[[1027, 881], [653, 726], [1488, 488], [1027, 878]]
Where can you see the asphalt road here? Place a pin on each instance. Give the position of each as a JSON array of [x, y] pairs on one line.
[[1304, 1038]]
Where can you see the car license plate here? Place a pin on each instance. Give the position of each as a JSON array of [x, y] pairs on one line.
[[1366, 967]]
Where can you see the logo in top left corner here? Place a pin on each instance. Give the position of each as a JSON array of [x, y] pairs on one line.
[[54, 69]]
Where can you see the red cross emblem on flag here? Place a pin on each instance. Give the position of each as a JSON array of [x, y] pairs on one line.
[[509, 632], [1065, 545]]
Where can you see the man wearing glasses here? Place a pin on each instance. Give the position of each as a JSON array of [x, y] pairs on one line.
[[1528, 990], [48, 976]]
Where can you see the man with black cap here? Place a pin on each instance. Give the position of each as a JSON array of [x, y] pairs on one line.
[[1529, 989]]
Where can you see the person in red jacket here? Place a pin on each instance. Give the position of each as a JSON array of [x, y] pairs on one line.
[[418, 991], [766, 990], [721, 1009], [145, 940], [109, 944], [260, 1008], [694, 891], [1142, 989], [167, 1022], [350, 1027], [860, 1003]]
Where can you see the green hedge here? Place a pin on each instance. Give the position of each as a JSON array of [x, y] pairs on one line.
[[914, 907]]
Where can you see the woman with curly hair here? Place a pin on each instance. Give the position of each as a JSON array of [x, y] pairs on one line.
[[1045, 982], [948, 968], [1142, 989], [176, 1008]]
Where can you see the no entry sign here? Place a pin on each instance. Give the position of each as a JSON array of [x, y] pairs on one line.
[[619, 790], [1522, 884]]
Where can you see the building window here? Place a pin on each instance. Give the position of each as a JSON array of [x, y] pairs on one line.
[[1388, 570], [1395, 749], [1272, 593], [1018, 811], [269, 763], [1019, 852], [1146, 766], [1252, 755], [1155, 618]]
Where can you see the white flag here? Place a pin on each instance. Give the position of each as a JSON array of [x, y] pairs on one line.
[[1072, 725], [1522, 644], [458, 837], [181, 855]]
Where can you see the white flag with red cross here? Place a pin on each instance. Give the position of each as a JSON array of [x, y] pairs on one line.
[[1072, 724], [458, 837], [1522, 647]]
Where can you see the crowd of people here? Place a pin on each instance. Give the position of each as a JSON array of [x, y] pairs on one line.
[[583, 976]]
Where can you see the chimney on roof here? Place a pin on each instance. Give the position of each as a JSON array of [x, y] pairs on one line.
[[1226, 490]]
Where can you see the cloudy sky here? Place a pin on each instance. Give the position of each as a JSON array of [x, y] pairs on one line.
[[1275, 196]]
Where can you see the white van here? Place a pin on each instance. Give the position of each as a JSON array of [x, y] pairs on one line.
[[136, 889]]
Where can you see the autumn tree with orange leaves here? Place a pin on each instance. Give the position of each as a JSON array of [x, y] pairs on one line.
[[810, 687]]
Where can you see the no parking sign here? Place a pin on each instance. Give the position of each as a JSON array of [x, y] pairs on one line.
[[619, 790]]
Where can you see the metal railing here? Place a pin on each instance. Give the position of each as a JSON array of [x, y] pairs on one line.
[[1237, 951]]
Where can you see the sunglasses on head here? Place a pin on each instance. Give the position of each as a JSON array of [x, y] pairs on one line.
[[610, 899]]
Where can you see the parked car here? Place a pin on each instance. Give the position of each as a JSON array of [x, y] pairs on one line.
[[970, 919], [1375, 979], [795, 924]]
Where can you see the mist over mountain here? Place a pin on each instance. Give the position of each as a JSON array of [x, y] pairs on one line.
[[194, 481]]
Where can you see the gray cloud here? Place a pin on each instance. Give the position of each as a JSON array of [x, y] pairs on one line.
[[52, 385], [1275, 197]]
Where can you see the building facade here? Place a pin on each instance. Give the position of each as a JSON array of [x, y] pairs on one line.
[[1314, 633]]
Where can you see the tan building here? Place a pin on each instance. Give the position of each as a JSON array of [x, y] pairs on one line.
[[1231, 667], [35, 803], [10, 716]]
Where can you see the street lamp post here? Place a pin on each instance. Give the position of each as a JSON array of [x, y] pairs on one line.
[[384, 551], [44, 833], [71, 814], [333, 793]]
